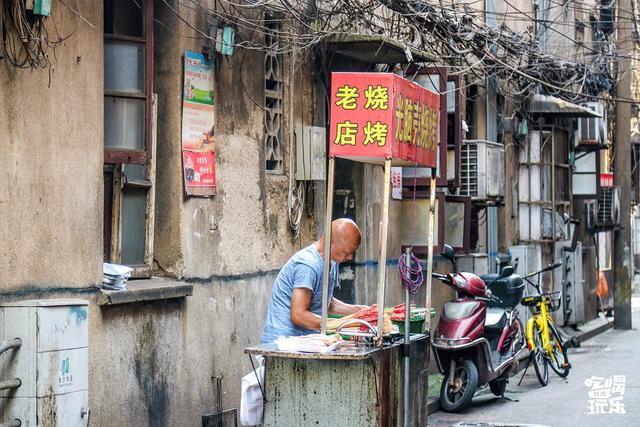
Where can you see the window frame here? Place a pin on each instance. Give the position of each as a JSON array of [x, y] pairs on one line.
[[423, 250], [116, 156], [547, 166], [115, 159], [466, 237], [457, 131]]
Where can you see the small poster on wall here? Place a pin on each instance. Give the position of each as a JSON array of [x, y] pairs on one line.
[[396, 183], [198, 142]]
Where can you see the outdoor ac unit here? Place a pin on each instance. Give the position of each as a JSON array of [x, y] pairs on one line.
[[482, 169], [604, 213], [593, 130]]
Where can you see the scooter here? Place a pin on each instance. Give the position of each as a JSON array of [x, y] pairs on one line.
[[479, 338]]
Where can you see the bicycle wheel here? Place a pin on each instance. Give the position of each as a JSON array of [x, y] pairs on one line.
[[560, 361], [538, 358]]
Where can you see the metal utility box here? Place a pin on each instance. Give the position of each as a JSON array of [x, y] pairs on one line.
[[311, 153], [52, 362], [529, 260], [569, 280], [477, 263]]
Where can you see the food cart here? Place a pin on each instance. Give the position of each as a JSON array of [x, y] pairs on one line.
[[384, 119]]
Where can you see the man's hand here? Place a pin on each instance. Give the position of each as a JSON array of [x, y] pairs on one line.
[[340, 308], [300, 314]]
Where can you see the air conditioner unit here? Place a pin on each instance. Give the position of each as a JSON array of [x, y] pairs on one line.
[[593, 130], [604, 213], [482, 169]]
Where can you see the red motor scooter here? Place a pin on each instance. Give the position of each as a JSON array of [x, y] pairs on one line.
[[479, 338]]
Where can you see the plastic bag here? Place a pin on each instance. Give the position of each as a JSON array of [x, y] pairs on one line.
[[252, 399], [603, 287]]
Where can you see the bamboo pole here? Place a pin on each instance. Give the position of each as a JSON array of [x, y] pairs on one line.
[[382, 262], [432, 215], [327, 247]]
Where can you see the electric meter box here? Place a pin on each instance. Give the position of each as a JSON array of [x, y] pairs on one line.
[[52, 362]]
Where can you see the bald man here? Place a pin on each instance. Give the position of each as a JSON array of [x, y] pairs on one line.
[[296, 299]]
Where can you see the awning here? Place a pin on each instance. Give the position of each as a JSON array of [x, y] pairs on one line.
[[376, 49], [546, 105]]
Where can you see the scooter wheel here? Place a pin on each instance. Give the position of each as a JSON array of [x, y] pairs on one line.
[[456, 397]]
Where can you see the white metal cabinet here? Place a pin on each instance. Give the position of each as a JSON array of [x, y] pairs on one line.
[[52, 362]]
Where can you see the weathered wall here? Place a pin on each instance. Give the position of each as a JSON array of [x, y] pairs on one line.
[[230, 246], [155, 361], [151, 363], [51, 163], [243, 229]]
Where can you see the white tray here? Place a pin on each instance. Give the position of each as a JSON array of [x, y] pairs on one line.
[[286, 344]]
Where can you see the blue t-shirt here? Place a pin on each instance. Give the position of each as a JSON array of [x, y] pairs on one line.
[[303, 270]]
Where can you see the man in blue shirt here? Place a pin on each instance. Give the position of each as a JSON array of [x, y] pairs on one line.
[[296, 298]]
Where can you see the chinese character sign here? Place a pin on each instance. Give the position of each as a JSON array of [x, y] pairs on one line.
[[396, 183], [376, 116], [198, 148], [606, 179]]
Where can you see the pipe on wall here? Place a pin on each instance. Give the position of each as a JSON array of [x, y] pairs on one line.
[[492, 238], [10, 384], [8, 345]]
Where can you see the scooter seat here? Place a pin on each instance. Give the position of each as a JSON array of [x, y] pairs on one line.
[[496, 319]]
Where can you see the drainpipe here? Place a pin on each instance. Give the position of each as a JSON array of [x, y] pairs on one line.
[[492, 238], [8, 345], [10, 384]]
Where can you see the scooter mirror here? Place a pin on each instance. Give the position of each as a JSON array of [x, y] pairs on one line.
[[506, 272], [449, 253]]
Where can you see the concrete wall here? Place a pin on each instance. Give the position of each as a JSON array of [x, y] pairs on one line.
[[243, 229], [155, 361], [230, 246], [150, 363], [51, 163]]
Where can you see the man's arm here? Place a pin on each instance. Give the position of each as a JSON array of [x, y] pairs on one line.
[[342, 308], [300, 314], [303, 318]]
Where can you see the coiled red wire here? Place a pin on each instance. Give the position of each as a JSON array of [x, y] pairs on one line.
[[412, 277]]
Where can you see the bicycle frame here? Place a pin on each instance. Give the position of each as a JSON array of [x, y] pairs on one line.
[[543, 320]]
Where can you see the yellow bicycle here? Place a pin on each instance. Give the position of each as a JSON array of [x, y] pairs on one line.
[[545, 344]]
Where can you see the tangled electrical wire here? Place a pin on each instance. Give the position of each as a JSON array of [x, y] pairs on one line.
[[24, 36], [27, 37], [411, 276], [457, 32]]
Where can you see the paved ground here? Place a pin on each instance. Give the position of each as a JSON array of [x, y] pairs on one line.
[[566, 402]]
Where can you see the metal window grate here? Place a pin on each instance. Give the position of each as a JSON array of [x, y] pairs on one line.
[[273, 99]]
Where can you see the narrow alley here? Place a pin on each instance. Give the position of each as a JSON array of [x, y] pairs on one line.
[[566, 402]]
